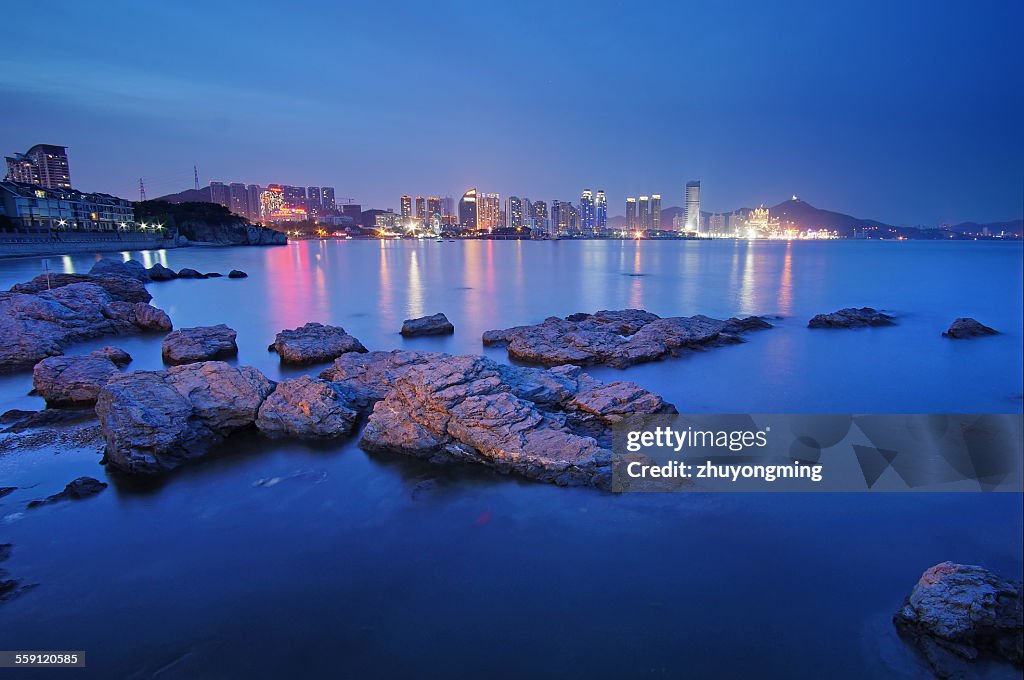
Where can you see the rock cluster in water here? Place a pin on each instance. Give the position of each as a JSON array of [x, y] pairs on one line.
[[960, 613], [314, 343], [201, 343], [851, 317], [435, 324], [617, 338], [83, 487], [966, 327]]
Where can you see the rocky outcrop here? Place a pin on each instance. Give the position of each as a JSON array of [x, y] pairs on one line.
[[965, 328], [188, 273], [370, 376], [237, 274], [122, 288], [153, 421], [436, 324], [959, 613], [307, 408], [83, 487], [35, 326], [132, 269], [114, 354], [17, 420], [158, 272], [851, 317], [201, 343], [71, 380], [617, 338], [535, 423], [314, 342]]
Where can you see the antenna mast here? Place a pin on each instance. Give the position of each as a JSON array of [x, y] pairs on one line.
[[142, 190], [195, 173]]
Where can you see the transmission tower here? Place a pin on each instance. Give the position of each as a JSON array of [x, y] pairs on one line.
[[195, 173], [142, 190]]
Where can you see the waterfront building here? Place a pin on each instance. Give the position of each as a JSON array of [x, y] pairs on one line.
[[693, 206], [488, 211], [44, 164], [355, 211], [656, 211], [643, 213], [238, 200], [327, 201], [514, 211], [252, 201], [586, 212], [314, 199], [434, 209], [631, 223], [421, 211], [448, 214], [406, 208], [30, 207], [467, 210], [601, 211]]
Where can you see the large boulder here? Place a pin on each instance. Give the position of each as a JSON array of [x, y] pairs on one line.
[[436, 324], [960, 613], [201, 343], [313, 343], [153, 421], [617, 338], [129, 268], [159, 272], [851, 317], [123, 288], [34, 326], [965, 328], [370, 376], [71, 380], [307, 408]]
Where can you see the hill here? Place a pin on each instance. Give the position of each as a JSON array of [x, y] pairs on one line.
[[204, 222]]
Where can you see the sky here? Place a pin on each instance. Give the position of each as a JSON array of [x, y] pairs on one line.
[[906, 112]]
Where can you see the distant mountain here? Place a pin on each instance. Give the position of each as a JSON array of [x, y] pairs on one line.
[[188, 196], [1015, 227], [803, 215]]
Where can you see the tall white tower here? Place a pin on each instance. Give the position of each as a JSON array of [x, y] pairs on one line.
[[693, 206]]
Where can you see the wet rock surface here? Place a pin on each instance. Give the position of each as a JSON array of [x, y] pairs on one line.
[[851, 317], [201, 343], [966, 327], [34, 326], [122, 288], [307, 408], [617, 338], [83, 487], [130, 268], [189, 273], [159, 272], [237, 274], [370, 376], [9, 588], [436, 324], [313, 343], [71, 380], [153, 421], [17, 420], [114, 354], [959, 614]]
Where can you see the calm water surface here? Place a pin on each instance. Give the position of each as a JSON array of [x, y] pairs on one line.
[[351, 565]]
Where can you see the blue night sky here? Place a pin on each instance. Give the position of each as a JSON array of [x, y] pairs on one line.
[[907, 112]]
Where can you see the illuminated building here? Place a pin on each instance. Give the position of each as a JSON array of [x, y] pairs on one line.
[[656, 211], [238, 199], [514, 211], [421, 211], [327, 199], [716, 224], [406, 209], [271, 202], [488, 212], [644, 214], [32, 208], [693, 206], [631, 214], [387, 219], [434, 209], [448, 215], [43, 164], [761, 224], [314, 199], [252, 201], [586, 212], [539, 215], [467, 210], [600, 211]]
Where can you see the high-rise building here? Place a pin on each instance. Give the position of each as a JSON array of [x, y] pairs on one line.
[[600, 211], [644, 213], [631, 222], [238, 198], [421, 211], [488, 212], [693, 206], [434, 209], [514, 211], [295, 197], [448, 215], [314, 198], [43, 164], [656, 211], [467, 210], [355, 211], [327, 199], [406, 211], [586, 212], [220, 194], [252, 201]]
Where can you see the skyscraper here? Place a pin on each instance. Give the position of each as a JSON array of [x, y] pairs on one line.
[[600, 211], [448, 215], [238, 200], [327, 199], [406, 211], [252, 201], [539, 215], [631, 223], [587, 212], [421, 211], [488, 212], [220, 195], [514, 211], [693, 206], [43, 164], [467, 210], [314, 198], [433, 208], [656, 211], [644, 218], [557, 219]]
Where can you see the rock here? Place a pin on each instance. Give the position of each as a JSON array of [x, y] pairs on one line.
[[966, 327], [237, 274], [9, 588], [16, 420], [313, 343], [370, 376], [959, 613], [110, 267], [159, 272], [202, 343], [213, 275], [617, 338], [851, 317], [531, 422], [307, 408], [6, 490], [153, 421], [123, 288], [71, 380], [35, 326], [437, 324], [83, 487], [115, 354], [187, 273]]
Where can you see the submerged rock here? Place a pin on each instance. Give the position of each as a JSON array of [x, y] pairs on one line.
[[188, 273], [115, 354], [617, 338], [159, 272], [237, 274], [314, 342], [960, 613], [153, 421], [202, 343], [436, 324], [83, 487], [966, 327], [71, 380], [851, 317], [34, 326], [307, 408]]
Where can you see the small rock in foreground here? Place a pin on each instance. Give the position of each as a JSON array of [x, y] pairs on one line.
[[83, 487], [188, 273], [314, 342], [237, 274], [115, 354], [851, 317], [71, 380], [159, 272], [966, 327], [436, 324], [202, 343]]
